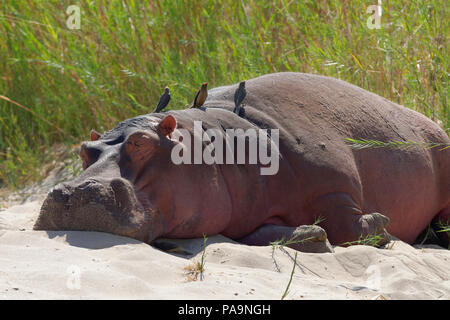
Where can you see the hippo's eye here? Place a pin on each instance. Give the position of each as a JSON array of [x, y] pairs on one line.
[[117, 140], [140, 146]]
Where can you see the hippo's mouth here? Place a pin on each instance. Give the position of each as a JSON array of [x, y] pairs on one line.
[[96, 205]]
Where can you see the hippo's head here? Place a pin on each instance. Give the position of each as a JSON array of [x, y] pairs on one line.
[[131, 187]]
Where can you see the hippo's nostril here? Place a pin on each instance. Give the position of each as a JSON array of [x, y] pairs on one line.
[[119, 183], [59, 194], [89, 184], [123, 192]]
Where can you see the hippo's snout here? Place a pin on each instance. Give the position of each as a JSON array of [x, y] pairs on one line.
[[93, 205]]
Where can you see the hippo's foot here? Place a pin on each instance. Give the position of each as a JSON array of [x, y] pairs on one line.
[[342, 218], [307, 238], [369, 230], [354, 229], [374, 229]]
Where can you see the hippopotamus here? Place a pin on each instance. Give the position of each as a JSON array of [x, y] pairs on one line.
[[131, 186]]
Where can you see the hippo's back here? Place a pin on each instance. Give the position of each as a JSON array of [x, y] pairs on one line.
[[323, 106]]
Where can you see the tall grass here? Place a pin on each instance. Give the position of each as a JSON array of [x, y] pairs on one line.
[[118, 63]]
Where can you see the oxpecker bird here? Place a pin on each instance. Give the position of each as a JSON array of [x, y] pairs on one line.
[[163, 100], [201, 96], [239, 96]]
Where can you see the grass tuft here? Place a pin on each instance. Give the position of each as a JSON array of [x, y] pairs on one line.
[[286, 291], [368, 240], [197, 268]]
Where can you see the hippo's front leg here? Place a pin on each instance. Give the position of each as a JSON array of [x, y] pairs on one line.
[[307, 238]]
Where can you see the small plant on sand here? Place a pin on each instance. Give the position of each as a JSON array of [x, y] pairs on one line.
[[197, 268], [290, 279], [373, 240]]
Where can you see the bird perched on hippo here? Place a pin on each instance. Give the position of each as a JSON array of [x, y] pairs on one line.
[[201, 96], [130, 186], [239, 96], [163, 101]]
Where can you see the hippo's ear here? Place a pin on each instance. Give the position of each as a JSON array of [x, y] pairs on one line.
[[167, 125], [95, 135]]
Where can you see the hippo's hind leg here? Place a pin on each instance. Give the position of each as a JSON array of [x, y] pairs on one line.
[[345, 224], [304, 238]]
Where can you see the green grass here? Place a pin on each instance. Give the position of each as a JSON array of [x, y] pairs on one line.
[[201, 263], [286, 242], [369, 240], [430, 234], [395, 144], [443, 226], [118, 63], [286, 291]]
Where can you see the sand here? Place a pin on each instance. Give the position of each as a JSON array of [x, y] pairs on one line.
[[94, 265]]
